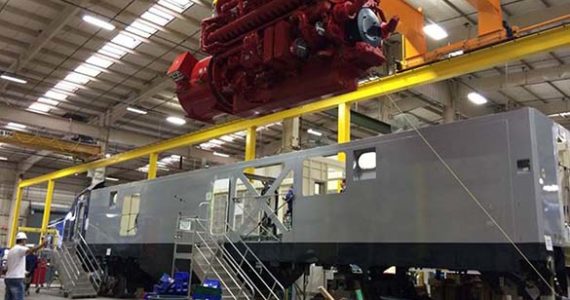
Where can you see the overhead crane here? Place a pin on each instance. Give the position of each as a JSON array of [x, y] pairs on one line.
[[420, 67]]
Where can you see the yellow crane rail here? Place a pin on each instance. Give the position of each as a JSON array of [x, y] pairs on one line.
[[478, 60]]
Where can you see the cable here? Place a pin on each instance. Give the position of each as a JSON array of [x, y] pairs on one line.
[[472, 196]]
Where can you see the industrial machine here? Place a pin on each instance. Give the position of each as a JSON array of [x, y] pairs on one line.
[[391, 203], [267, 55]]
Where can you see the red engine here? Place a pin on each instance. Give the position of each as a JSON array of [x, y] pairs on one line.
[[267, 55]]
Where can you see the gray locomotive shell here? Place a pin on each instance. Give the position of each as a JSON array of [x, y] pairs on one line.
[[506, 160]]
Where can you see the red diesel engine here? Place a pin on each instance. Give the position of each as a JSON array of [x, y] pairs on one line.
[[267, 55]]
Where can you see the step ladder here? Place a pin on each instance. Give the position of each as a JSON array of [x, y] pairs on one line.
[[78, 269], [226, 257]]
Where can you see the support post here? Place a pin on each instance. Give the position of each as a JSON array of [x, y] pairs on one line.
[[343, 127], [250, 145], [47, 206], [152, 166], [16, 215], [490, 16]]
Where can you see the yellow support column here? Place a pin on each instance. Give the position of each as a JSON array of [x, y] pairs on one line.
[[47, 206], [152, 165], [16, 216], [343, 127], [250, 144]]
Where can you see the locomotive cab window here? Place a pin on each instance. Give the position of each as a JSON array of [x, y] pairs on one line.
[[364, 167], [130, 215], [324, 175]]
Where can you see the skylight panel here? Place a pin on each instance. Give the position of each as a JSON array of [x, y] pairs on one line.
[[138, 32], [142, 26], [66, 86], [99, 62], [77, 78], [161, 13], [86, 70], [178, 6], [55, 95], [154, 18], [126, 41], [39, 107], [111, 51], [48, 101]]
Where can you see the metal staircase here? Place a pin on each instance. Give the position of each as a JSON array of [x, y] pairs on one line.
[[226, 257], [78, 269]]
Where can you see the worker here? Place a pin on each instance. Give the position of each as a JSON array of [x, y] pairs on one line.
[[16, 267]]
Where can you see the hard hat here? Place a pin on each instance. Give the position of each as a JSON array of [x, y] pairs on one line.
[[21, 236]]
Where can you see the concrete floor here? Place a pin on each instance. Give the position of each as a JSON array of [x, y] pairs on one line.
[[51, 294]]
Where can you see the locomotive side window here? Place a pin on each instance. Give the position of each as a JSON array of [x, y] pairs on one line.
[[324, 175], [113, 199], [364, 164], [129, 215]]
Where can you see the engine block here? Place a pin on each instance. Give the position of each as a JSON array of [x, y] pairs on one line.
[[267, 55]]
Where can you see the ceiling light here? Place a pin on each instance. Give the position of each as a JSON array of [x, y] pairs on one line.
[[221, 154], [143, 27], [314, 132], [39, 107], [161, 13], [13, 79], [435, 32], [107, 155], [55, 95], [3, 158], [48, 101], [176, 120], [137, 111], [111, 179], [477, 98], [98, 22], [14, 125], [99, 62]]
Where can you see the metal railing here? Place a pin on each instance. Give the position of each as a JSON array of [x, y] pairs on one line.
[[243, 262], [89, 260]]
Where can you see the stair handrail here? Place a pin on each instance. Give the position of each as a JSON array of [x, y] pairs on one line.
[[66, 272], [240, 269], [256, 258], [211, 268], [231, 260], [91, 259]]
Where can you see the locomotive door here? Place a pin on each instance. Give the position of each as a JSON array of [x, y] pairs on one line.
[[219, 206]]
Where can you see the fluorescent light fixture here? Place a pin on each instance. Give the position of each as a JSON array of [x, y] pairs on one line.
[[551, 188], [3, 158], [15, 125], [99, 62], [77, 78], [98, 22], [111, 179], [314, 132], [13, 79], [137, 111], [126, 41], [456, 53], [48, 101], [221, 154], [55, 95], [435, 32], [477, 98], [176, 120], [39, 107], [107, 155]]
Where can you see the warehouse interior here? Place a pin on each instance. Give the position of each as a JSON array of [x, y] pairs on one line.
[[87, 82]]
